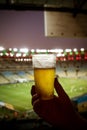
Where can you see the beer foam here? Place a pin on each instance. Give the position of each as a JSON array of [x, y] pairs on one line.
[[44, 60]]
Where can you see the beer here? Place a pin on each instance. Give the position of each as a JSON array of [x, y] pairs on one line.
[[44, 82], [44, 74]]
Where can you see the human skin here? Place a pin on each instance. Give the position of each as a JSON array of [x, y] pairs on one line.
[[59, 111]]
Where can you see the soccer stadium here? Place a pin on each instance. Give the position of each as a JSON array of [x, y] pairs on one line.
[[16, 64], [16, 79]]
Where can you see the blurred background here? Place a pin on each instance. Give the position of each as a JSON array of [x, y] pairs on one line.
[[30, 27]]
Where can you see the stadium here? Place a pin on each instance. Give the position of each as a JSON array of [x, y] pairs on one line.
[[16, 69], [16, 79]]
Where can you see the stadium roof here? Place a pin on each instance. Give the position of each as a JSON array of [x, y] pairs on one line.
[[60, 5]]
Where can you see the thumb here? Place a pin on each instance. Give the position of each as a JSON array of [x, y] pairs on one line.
[[33, 90], [59, 89]]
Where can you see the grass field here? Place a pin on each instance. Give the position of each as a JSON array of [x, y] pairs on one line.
[[19, 94]]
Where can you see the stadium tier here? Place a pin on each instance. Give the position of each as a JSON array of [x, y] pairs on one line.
[[19, 72], [18, 68]]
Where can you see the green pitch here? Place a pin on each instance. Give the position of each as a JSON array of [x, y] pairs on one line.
[[19, 94], [74, 86]]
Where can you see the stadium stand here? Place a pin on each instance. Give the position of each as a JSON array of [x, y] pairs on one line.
[[72, 69], [12, 71], [3, 80]]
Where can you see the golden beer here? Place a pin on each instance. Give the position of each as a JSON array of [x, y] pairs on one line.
[[44, 82], [44, 74]]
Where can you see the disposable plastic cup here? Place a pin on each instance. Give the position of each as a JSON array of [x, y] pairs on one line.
[[44, 74]]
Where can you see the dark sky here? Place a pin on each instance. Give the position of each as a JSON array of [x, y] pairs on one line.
[[26, 29]]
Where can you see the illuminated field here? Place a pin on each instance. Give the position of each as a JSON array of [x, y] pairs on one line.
[[19, 94], [74, 86]]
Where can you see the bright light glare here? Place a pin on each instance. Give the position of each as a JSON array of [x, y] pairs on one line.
[[18, 54], [24, 50], [11, 54], [1, 54], [82, 49], [10, 49], [24, 54], [68, 50], [1, 48], [41, 50], [75, 49], [15, 49], [59, 55], [56, 50], [32, 50]]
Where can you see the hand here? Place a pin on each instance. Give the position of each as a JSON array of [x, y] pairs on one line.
[[58, 111]]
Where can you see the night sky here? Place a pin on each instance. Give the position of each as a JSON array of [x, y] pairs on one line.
[[26, 29]]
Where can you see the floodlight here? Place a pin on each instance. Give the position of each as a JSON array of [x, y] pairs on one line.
[[82, 49], [24, 50], [15, 49], [1, 48]]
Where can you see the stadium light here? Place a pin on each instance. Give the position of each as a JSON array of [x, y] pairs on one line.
[[25, 50], [18, 54], [68, 50], [1, 54], [2, 48], [75, 49], [10, 49], [11, 54], [58, 50], [21, 59], [32, 50], [41, 50], [15, 49], [24, 55], [82, 49], [55, 50], [59, 55], [37, 50]]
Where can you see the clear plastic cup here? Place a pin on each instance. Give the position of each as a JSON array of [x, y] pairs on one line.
[[44, 74]]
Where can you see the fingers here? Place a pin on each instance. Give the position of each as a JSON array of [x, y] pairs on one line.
[[59, 89], [37, 106], [34, 98]]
